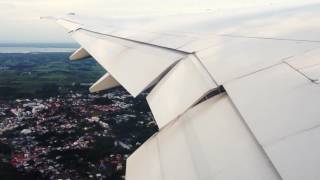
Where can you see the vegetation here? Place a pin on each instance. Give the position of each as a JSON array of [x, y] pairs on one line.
[[43, 74]]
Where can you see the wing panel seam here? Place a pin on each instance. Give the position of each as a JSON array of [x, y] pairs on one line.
[[135, 41]]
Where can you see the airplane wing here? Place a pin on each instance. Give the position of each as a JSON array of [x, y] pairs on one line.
[[235, 95]]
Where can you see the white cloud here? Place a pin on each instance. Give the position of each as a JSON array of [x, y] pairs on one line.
[[20, 21]]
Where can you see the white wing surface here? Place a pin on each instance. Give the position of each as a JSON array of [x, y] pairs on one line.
[[265, 126], [211, 141]]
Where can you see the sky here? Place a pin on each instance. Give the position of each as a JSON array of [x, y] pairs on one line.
[[20, 19]]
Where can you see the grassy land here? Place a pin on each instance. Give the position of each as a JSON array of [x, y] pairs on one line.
[[41, 74]]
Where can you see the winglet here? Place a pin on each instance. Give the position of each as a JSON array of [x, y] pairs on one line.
[[104, 83]]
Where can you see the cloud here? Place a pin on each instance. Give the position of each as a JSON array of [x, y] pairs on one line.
[[16, 15], [6, 7]]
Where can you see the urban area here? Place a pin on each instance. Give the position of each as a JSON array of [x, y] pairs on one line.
[[76, 135]]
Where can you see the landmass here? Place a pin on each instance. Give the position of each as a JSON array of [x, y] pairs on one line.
[[51, 127]]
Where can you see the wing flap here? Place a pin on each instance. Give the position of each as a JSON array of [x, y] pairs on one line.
[[242, 56], [305, 60], [210, 141], [280, 106], [181, 88], [308, 64]]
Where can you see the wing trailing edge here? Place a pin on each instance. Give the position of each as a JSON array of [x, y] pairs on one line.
[[183, 86], [210, 141]]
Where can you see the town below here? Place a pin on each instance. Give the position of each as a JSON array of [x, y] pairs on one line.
[[57, 129]]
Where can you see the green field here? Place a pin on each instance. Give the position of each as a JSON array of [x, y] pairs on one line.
[[43, 74]]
